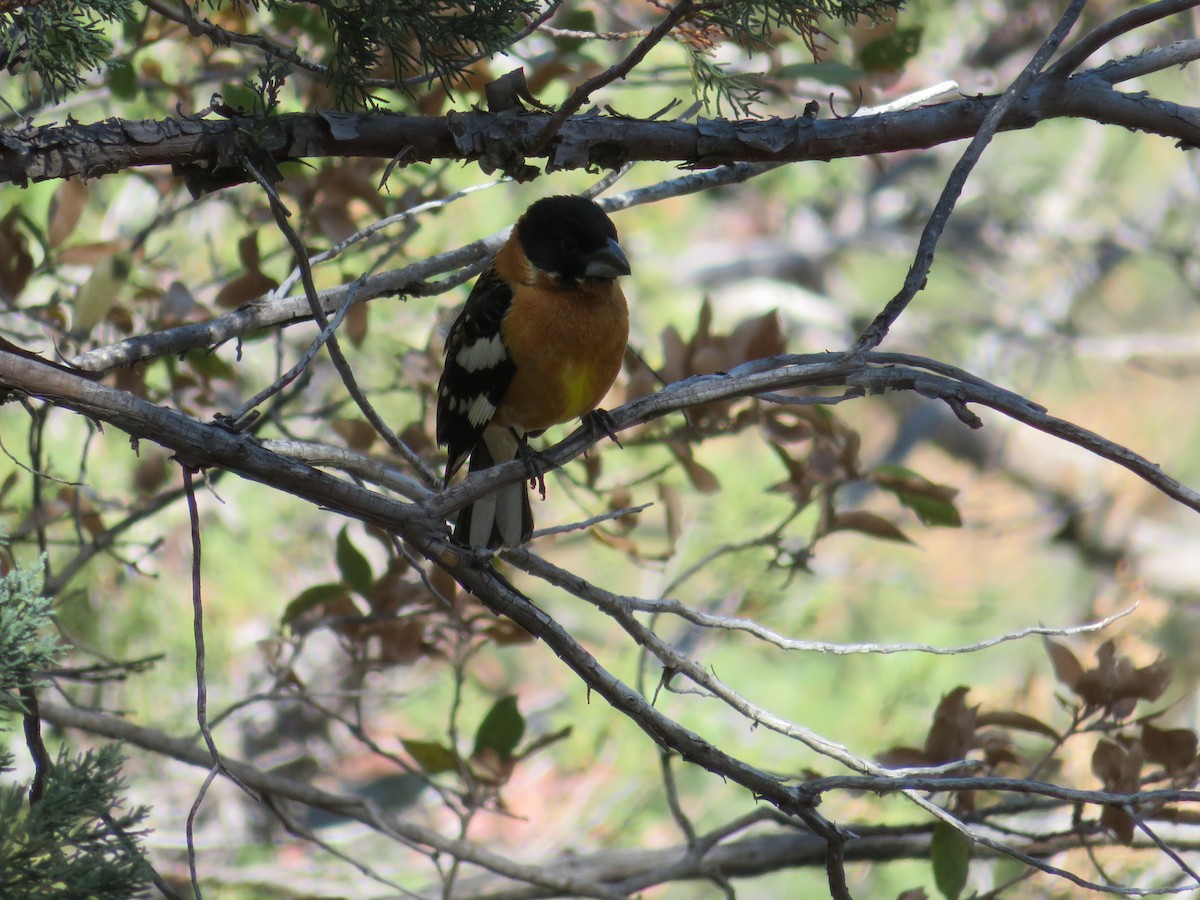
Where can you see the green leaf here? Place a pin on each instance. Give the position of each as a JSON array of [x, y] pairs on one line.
[[933, 503], [355, 569], [209, 365], [950, 855], [122, 79], [932, 511], [432, 757], [575, 20], [309, 599], [829, 72], [501, 729], [239, 97], [891, 52]]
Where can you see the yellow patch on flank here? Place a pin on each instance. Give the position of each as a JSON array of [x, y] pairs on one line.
[[581, 389]]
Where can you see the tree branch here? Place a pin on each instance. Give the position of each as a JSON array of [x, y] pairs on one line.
[[623, 871], [203, 147], [918, 273]]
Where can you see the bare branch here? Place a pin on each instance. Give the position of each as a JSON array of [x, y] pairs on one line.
[[1077, 55], [918, 274], [581, 94], [354, 808]]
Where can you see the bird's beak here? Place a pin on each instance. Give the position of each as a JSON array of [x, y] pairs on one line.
[[607, 262]]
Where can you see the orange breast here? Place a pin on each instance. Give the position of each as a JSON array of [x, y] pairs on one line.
[[567, 347]]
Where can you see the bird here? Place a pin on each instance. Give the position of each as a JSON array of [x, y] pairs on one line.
[[539, 342]]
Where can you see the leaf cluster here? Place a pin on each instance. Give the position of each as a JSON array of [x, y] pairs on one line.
[[73, 841], [1104, 696], [57, 42], [26, 646], [412, 39], [761, 25]]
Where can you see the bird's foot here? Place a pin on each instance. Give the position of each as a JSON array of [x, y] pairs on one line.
[[600, 421], [536, 465]]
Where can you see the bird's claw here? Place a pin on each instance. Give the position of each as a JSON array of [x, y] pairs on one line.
[[601, 421], [536, 466]]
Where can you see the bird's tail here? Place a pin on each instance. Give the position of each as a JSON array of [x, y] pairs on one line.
[[503, 518]]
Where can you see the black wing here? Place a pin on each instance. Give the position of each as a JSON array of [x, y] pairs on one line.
[[478, 369]]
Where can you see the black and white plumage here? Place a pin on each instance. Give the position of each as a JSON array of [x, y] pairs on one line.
[[478, 370]]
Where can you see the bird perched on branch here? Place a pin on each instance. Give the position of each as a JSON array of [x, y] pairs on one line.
[[538, 343]]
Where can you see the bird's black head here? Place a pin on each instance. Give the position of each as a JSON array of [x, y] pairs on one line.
[[572, 239]]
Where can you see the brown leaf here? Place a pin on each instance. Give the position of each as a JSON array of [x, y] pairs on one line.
[[904, 758], [1067, 667], [175, 305], [755, 338], [622, 498], [622, 543], [868, 524], [489, 769], [673, 513], [1172, 748], [702, 479], [81, 505], [1119, 823], [10, 482], [246, 287], [16, 262], [391, 591], [1117, 685], [1107, 760], [151, 471], [506, 633], [444, 586], [334, 221], [781, 423], [675, 354], [357, 433], [848, 455], [1151, 682], [1118, 768], [1019, 721], [704, 323], [997, 752], [356, 322], [798, 484], [66, 206], [91, 253], [913, 484], [507, 92], [401, 643], [952, 734], [248, 252]]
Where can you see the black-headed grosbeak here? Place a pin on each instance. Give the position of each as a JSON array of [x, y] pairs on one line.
[[539, 342]]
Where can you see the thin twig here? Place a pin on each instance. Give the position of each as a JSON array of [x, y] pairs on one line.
[[1162, 845], [338, 358], [201, 683], [581, 94], [1075, 56], [237, 417], [918, 274]]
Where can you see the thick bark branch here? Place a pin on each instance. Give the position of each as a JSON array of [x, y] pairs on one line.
[[210, 149]]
